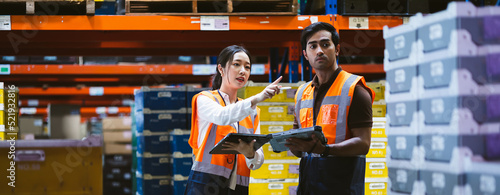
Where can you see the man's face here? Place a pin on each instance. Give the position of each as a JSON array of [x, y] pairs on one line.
[[320, 50]]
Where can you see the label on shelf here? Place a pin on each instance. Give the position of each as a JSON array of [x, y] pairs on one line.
[[112, 110], [313, 19], [4, 69], [258, 69], [204, 69], [214, 23], [5, 23], [27, 110], [358, 22], [96, 91], [100, 110], [33, 103]]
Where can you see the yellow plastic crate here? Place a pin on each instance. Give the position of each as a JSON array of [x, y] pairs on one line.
[[376, 168], [376, 186], [273, 187], [269, 154], [275, 127], [2, 119], [378, 129], [286, 95], [276, 111], [276, 171], [2, 105], [378, 133], [55, 166], [379, 109], [5, 136], [378, 88], [377, 148]]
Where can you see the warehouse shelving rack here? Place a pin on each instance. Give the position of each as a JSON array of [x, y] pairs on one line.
[[35, 35]]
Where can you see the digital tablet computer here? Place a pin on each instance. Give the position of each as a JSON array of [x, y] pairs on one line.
[[234, 137], [278, 140]]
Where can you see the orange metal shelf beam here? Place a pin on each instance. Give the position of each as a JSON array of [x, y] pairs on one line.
[[83, 110], [101, 69], [22, 22], [180, 69], [107, 23], [77, 91], [45, 103]]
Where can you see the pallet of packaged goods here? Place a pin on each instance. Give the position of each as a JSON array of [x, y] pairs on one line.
[[211, 7], [54, 166], [47, 7]]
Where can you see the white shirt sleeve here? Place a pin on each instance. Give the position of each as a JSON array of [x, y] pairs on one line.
[[211, 111], [257, 161]]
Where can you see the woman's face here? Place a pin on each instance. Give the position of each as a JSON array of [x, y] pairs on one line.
[[237, 72]]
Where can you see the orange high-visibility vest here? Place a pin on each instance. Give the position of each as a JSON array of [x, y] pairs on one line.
[[219, 164], [332, 116]]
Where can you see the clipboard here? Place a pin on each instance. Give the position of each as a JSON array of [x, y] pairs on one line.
[[233, 137], [278, 140]]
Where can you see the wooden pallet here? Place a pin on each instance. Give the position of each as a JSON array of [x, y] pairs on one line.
[[211, 7], [47, 7]]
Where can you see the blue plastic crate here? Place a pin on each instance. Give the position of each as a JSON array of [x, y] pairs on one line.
[[182, 164], [160, 98], [107, 8], [156, 143], [159, 164], [161, 120], [152, 185], [179, 186], [179, 141]]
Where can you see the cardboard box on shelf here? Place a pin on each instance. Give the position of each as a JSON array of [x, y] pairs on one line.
[[116, 123]]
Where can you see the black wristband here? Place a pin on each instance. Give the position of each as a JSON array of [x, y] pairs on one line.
[[326, 152]]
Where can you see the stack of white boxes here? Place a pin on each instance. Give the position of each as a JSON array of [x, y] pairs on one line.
[[443, 101], [280, 172]]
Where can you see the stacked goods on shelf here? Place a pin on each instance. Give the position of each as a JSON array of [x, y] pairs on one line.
[[457, 91], [164, 157], [117, 135], [117, 174], [54, 166], [280, 172], [50, 7], [9, 112], [400, 64], [226, 7], [376, 172], [117, 170], [379, 106], [30, 127]]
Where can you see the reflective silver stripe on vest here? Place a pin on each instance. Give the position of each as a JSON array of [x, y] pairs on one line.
[[345, 100], [205, 165], [306, 104], [298, 105], [243, 129], [242, 180]]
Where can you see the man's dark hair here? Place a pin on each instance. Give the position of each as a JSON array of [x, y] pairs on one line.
[[315, 27]]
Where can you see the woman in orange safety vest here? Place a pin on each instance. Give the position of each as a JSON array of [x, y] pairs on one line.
[[217, 113]]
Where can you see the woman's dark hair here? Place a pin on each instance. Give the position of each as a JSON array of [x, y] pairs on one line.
[[315, 27], [225, 56]]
